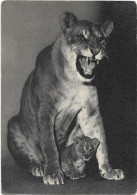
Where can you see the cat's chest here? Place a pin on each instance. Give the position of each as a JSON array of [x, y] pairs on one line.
[[81, 95], [78, 96]]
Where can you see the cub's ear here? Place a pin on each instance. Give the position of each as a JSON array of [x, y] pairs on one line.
[[67, 20], [95, 142], [76, 140], [107, 28]]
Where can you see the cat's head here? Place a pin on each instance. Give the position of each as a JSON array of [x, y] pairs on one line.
[[86, 147], [86, 44]]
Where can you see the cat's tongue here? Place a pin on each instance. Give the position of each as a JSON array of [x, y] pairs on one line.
[[87, 64]]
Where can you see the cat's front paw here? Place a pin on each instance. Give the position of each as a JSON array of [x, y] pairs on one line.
[[53, 175], [114, 174]]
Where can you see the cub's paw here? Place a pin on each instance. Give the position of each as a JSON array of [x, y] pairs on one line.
[[74, 176], [53, 176], [83, 175], [114, 174], [36, 170]]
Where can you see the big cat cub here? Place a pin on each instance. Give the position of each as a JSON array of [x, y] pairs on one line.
[[58, 91]]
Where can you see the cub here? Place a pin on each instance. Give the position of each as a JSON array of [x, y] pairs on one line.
[[74, 156]]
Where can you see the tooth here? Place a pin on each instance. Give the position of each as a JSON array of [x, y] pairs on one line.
[[88, 61], [97, 62]]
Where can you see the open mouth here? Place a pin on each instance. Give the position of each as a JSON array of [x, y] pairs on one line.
[[86, 66]]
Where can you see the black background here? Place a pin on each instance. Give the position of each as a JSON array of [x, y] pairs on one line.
[[116, 83]]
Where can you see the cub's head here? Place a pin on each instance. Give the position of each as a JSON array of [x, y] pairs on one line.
[[86, 147], [85, 44]]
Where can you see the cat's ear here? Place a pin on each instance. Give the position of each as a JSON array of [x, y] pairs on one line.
[[67, 20], [76, 140], [107, 28]]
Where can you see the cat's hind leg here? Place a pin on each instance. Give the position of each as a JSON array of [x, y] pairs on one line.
[[23, 149]]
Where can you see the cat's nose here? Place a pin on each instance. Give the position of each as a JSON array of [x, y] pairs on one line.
[[87, 156], [94, 51]]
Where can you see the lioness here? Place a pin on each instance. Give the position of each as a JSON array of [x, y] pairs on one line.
[[59, 102]]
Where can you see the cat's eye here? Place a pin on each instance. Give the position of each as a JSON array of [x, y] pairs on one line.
[[100, 39], [81, 37]]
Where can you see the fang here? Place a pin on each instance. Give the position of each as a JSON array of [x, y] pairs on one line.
[[89, 60]]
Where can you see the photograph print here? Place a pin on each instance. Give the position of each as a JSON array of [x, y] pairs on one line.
[[68, 97]]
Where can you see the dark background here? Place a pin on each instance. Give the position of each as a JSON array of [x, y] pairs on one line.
[[117, 85], [27, 27]]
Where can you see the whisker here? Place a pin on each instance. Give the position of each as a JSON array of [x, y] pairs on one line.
[[106, 55]]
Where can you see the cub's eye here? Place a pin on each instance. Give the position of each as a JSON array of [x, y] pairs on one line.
[[100, 39], [90, 150], [82, 150], [81, 37]]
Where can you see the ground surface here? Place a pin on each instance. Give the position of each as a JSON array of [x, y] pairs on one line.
[[18, 181]]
